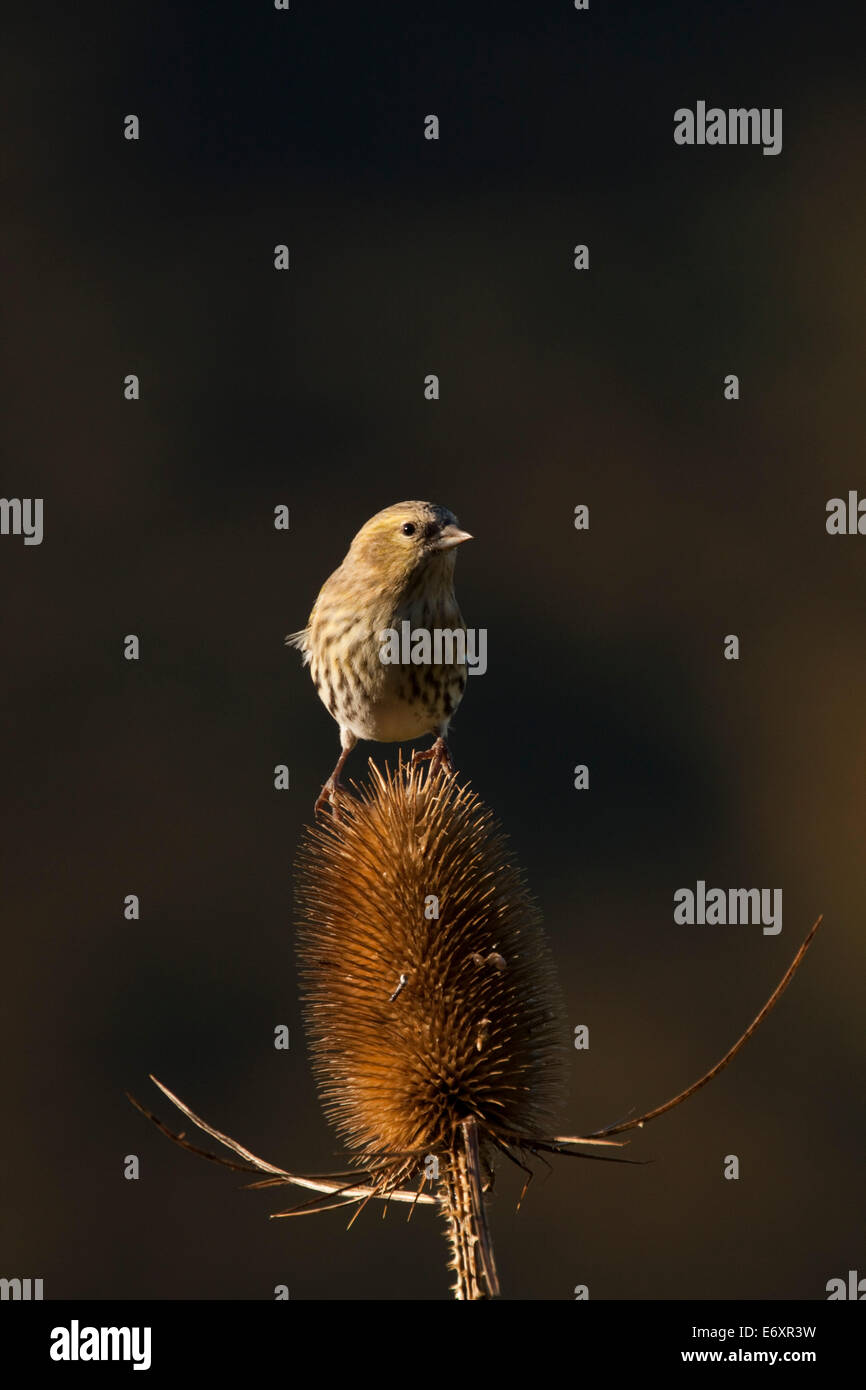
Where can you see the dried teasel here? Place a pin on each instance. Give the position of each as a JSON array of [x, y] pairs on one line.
[[433, 1015], [434, 1020]]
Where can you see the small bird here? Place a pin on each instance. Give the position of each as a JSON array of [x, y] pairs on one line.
[[399, 568]]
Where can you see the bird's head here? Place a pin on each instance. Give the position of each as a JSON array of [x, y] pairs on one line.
[[401, 541]]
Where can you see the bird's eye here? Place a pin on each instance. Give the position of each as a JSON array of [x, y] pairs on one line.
[[408, 528]]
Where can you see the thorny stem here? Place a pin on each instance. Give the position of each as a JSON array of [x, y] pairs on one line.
[[461, 1239], [462, 1199]]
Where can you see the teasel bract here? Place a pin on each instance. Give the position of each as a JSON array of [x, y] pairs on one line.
[[433, 1015]]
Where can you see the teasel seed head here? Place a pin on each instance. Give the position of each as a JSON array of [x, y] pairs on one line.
[[433, 1015]]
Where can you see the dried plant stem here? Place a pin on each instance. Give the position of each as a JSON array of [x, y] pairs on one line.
[[345, 1188], [729, 1056], [462, 1240], [472, 1261]]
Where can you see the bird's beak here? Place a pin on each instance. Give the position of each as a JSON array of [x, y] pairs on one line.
[[450, 536]]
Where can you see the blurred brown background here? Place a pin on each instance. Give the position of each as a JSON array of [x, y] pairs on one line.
[[605, 647]]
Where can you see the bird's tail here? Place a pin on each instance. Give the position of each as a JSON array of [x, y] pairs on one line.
[[462, 1197], [300, 640]]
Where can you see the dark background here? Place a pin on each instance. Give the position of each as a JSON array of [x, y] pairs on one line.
[[605, 647]]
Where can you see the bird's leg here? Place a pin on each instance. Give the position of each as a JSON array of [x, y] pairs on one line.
[[328, 796], [437, 755]]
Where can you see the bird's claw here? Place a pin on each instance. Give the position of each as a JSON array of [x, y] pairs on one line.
[[328, 800], [439, 755]]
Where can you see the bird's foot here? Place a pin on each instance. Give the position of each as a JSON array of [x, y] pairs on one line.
[[329, 796], [328, 800], [439, 755]]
